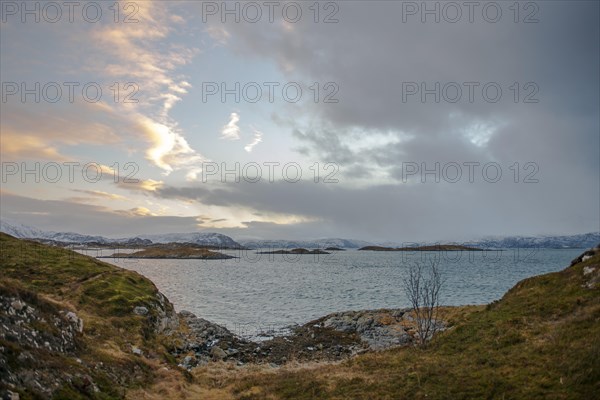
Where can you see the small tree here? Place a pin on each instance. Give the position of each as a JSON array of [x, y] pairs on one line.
[[422, 288]]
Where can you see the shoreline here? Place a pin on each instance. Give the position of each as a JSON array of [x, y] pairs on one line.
[[334, 337]]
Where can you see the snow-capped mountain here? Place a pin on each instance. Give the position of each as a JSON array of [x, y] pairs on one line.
[[20, 231], [579, 241], [16, 229], [203, 238], [582, 241], [312, 244]]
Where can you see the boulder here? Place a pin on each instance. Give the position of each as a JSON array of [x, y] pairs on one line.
[[140, 310], [18, 305], [74, 319], [218, 353]]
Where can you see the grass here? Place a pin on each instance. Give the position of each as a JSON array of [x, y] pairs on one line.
[[53, 279]]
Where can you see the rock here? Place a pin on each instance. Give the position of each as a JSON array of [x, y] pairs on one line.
[[218, 353], [409, 318], [137, 351], [18, 305], [364, 323], [12, 395], [140, 310], [166, 319], [25, 356], [585, 256], [343, 323], [232, 352], [188, 362], [591, 276], [72, 317]]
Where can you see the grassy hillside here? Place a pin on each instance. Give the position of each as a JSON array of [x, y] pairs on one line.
[[99, 350]]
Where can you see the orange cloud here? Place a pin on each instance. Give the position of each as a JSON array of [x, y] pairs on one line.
[[19, 146], [143, 59]]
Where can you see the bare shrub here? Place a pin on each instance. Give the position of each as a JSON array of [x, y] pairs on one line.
[[422, 287]]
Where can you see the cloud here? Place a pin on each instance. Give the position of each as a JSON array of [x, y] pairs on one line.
[[231, 131], [169, 150], [140, 185], [257, 139], [370, 79], [100, 194], [218, 33], [149, 57], [143, 58], [371, 131], [407, 212], [137, 212], [192, 174], [17, 146], [31, 130], [91, 219]]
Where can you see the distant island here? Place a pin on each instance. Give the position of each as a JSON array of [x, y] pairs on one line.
[[437, 247], [294, 251], [334, 249], [178, 252]]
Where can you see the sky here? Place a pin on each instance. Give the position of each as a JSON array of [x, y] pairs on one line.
[[375, 120]]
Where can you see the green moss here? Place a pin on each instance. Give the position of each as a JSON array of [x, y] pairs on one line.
[[95, 287], [53, 279]]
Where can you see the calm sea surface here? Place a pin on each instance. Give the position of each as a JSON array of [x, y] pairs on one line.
[[257, 292]]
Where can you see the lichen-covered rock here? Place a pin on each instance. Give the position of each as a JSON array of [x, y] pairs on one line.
[[71, 316], [40, 328], [166, 319], [379, 329], [218, 353], [140, 310]]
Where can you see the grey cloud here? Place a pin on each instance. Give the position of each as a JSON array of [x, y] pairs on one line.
[[65, 216], [405, 211], [370, 52]]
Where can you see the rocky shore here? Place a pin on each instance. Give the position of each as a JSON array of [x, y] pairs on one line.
[[333, 337]]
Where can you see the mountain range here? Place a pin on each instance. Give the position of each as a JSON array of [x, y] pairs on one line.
[[200, 238], [213, 239]]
